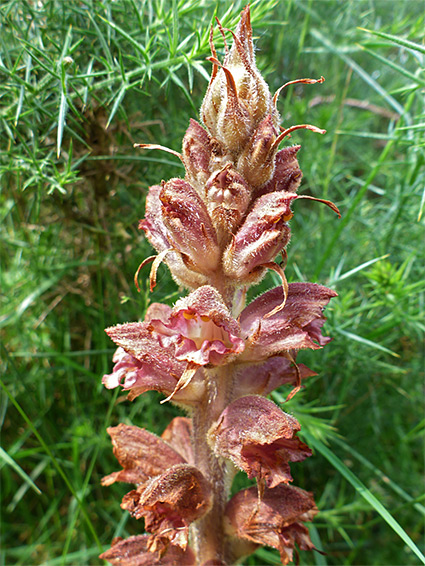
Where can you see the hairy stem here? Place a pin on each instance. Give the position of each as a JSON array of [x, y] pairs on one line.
[[208, 533]]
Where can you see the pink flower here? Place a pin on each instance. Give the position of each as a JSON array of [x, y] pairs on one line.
[[201, 329], [296, 327]]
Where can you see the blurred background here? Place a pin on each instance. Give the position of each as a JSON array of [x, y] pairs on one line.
[[80, 82]]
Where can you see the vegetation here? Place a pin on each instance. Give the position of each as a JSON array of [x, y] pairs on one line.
[[80, 83]]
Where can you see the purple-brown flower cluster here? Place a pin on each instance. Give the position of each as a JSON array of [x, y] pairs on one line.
[[219, 229]]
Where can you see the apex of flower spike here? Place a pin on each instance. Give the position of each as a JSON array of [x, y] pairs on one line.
[[238, 98]]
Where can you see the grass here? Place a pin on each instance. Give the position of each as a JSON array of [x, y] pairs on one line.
[[80, 83]]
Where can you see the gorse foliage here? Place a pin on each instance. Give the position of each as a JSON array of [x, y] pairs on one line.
[[70, 247]]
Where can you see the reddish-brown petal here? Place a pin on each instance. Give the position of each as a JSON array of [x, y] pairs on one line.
[[178, 435], [259, 438], [134, 551], [142, 454], [157, 311], [296, 326], [169, 503], [264, 377], [275, 519], [137, 377], [142, 364]]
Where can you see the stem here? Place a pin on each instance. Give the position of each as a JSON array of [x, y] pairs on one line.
[[210, 541]]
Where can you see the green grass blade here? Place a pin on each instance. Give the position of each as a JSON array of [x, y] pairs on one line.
[[346, 216], [394, 66], [357, 269], [360, 71], [364, 492], [395, 39], [55, 463], [384, 478], [367, 342], [11, 462]]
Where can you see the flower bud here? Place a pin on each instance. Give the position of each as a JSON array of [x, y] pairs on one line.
[[287, 174], [227, 195], [197, 149], [261, 237], [256, 162], [189, 226], [158, 235], [238, 98]]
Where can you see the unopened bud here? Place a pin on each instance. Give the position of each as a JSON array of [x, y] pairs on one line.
[[261, 237], [238, 98], [256, 162], [227, 195], [189, 225]]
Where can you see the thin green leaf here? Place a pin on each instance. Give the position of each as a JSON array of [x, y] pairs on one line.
[[118, 100], [133, 42], [394, 66], [63, 105], [357, 269], [395, 39], [28, 66], [367, 342], [11, 462], [364, 492]]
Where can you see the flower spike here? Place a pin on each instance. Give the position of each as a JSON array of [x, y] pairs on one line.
[[219, 228]]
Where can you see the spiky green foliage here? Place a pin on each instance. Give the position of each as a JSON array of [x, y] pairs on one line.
[[80, 82]]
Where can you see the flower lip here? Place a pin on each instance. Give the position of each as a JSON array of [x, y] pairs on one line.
[[200, 329], [197, 338]]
